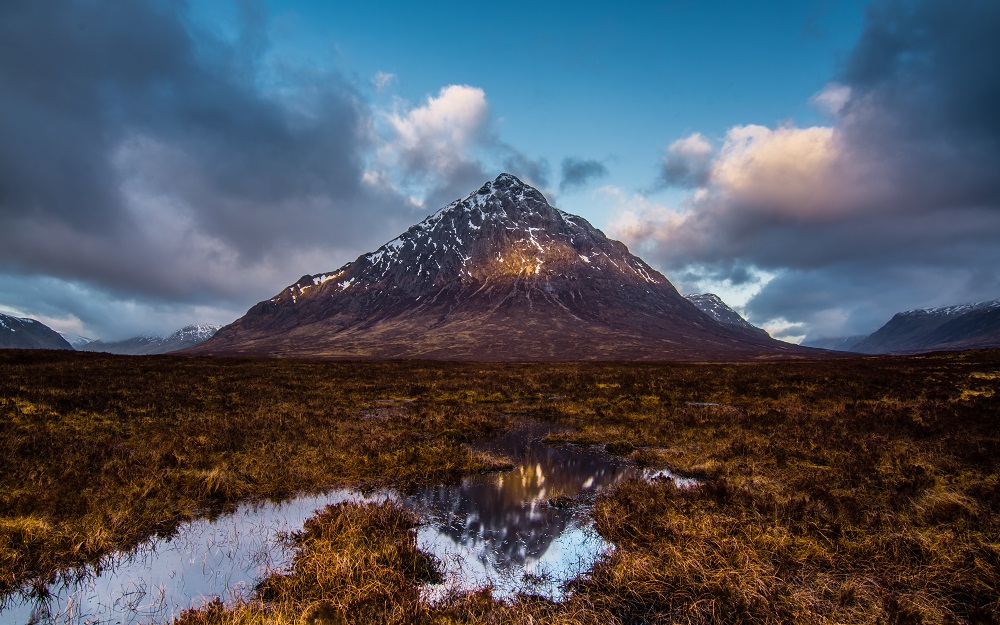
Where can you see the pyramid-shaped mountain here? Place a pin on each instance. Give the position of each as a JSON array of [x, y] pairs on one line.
[[497, 275]]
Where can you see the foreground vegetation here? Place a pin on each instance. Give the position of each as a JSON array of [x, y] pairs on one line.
[[847, 491]]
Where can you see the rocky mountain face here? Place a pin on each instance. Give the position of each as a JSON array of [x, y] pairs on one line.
[[146, 345], [713, 306], [497, 275], [20, 333], [967, 326]]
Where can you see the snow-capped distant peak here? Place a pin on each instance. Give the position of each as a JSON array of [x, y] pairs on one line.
[[199, 332], [713, 306], [76, 340], [959, 309]]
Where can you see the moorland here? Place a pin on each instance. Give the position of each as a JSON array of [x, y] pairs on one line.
[[862, 490]]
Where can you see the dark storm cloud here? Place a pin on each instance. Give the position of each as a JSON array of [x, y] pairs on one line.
[[578, 172], [142, 154], [895, 206], [687, 162], [926, 99]]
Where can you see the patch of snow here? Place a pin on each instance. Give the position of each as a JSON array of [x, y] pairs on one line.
[[326, 277], [959, 309]]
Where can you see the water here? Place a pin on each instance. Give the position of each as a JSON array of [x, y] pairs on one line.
[[525, 530]]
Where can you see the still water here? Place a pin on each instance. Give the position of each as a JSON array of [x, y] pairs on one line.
[[522, 530]]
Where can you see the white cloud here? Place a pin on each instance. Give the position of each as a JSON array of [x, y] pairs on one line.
[[785, 171], [785, 330], [381, 80], [832, 98], [439, 136], [694, 145]]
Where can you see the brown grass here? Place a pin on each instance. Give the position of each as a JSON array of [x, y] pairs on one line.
[[855, 491]]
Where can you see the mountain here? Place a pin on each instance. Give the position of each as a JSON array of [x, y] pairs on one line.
[[967, 326], [840, 344], [20, 333], [145, 345], [713, 306], [497, 275], [76, 340]]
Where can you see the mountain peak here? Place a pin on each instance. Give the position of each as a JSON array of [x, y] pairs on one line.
[[713, 306], [506, 229], [497, 275], [507, 196], [507, 183]]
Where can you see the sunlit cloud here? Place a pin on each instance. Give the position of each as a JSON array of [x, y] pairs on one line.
[[895, 204], [439, 135]]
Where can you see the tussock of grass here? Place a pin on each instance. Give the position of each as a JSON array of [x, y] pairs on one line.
[[354, 563]]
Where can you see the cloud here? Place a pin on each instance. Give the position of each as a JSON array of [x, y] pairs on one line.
[[894, 205], [382, 80], [145, 158], [832, 98], [447, 146], [578, 172], [81, 308], [439, 135], [532, 171], [687, 162]]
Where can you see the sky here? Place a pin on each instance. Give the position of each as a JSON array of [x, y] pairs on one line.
[[819, 164]]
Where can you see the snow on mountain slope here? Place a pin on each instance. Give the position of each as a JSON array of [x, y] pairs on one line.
[[497, 275], [146, 345], [713, 306], [964, 326], [23, 333]]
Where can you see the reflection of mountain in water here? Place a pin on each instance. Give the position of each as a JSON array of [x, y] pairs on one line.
[[504, 518]]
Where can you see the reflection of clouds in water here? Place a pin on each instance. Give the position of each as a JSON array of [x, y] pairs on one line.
[[154, 583], [494, 529]]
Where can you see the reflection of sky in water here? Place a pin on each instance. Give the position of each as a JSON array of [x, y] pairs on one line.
[[497, 528], [494, 529], [160, 579]]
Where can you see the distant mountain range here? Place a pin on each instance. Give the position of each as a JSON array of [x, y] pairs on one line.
[[21, 333], [965, 326], [497, 275], [145, 345]]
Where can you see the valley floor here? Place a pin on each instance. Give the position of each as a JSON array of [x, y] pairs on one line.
[[848, 491]]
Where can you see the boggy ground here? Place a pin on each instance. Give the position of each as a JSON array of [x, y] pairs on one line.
[[847, 491]]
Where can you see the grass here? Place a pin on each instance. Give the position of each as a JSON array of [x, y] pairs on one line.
[[850, 491]]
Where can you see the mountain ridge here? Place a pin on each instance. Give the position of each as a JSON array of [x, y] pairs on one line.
[[145, 345], [26, 333], [712, 305], [944, 328], [497, 275]]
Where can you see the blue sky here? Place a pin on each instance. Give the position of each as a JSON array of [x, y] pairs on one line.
[[821, 165]]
